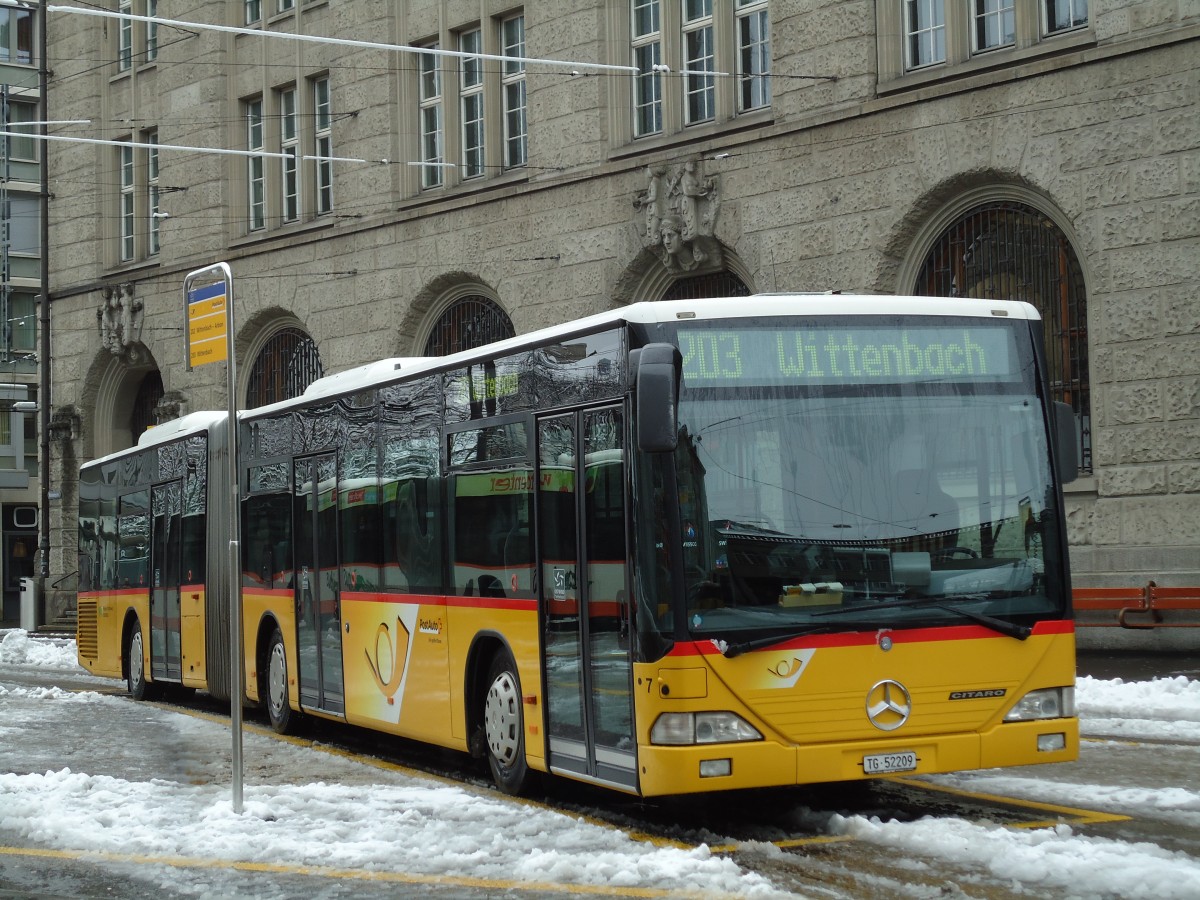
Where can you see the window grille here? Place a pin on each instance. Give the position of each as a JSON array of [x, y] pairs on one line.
[[715, 284], [286, 365], [141, 417], [468, 323], [1010, 251]]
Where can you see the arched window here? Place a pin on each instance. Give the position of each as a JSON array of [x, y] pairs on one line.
[[287, 363], [715, 284], [1010, 251], [150, 392], [468, 322]]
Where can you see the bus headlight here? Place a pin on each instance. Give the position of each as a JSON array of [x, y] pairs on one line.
[[681, 729], [1050, 703]]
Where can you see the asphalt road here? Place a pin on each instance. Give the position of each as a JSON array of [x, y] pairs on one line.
[[809, 864]]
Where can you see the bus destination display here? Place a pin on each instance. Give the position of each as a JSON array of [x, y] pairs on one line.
[[815, 355]]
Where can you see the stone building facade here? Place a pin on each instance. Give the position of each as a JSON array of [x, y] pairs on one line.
[[386, 203]]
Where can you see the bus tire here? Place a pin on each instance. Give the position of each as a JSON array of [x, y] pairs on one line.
[[135, 672], [273, 688], [504, 725]]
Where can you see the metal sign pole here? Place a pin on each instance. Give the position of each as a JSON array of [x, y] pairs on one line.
[[209, 310]]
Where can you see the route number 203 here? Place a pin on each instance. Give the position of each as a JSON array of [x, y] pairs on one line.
[[710, 355]]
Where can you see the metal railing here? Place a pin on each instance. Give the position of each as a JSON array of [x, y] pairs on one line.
[[1151, 606]]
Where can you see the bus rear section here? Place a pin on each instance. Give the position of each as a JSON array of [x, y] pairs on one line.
[[152, 552], [854, 560]]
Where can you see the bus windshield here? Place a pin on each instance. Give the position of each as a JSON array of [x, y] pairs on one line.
[[855, 474]]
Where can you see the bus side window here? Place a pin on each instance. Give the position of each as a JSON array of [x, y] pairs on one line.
[[109, 541], [133, 528]]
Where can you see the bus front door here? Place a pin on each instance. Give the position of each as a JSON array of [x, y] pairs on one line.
[[582, 559], [166, 511], [317, 581]]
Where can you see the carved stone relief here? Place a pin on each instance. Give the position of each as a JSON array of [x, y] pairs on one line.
[[119, 319], [169, 408], [679, 210]]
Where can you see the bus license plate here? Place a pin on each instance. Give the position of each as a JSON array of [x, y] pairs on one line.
[[886, 763]]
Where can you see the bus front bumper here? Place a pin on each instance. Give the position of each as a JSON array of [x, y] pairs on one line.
[[760, 764]]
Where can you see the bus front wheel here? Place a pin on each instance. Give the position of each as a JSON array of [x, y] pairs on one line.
[[274, 686], [504, 726]]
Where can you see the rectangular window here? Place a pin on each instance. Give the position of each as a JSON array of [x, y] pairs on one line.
[[285, 5], [127, 204], [289, 145], [471, 103], [698, 61], [253, 11], [125, 37], [155, 215], [994, 24], [16, 36], [924, 32], [8, 449], [151, 31], [256, 188], [512, 77], [1062, 15], [323, 145], [21, 324], [430, 94], [647, 57], [24, 214], [754, 55], [19, 146], [513, 96]]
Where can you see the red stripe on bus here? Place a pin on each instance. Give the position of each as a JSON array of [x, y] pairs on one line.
[[440, 600], [866, 638]]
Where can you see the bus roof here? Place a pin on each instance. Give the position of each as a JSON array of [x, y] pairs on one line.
[[192, 423], [387, 371]]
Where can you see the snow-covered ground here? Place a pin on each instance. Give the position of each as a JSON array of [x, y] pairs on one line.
[[397, 822]]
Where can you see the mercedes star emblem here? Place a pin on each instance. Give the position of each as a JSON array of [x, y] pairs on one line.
[[888, 705]]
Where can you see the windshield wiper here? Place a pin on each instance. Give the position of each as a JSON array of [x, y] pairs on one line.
[[1020, 632], [1008, 629], [733, 650]]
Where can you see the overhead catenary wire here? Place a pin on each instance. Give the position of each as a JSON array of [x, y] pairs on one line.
[[340, 42], [145, 145]]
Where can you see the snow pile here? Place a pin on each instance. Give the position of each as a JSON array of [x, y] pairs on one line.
[[1046, 861], [1162, 709], [18, 648], [418, 829]]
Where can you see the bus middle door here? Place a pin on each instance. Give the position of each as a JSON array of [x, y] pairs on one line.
[[582, 560], [166, 544], [317, 580]]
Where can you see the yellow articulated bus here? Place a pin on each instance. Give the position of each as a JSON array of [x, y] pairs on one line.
[[678, 547]]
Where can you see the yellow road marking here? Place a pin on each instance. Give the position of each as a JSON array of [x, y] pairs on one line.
[[492, 884], [386, 766], [1076, 816]]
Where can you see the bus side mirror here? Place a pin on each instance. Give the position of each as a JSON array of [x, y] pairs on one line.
[[1067, 451], [656, 368]]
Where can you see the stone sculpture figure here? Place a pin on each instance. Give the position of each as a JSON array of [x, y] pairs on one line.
[[120, 321], [678, 216]]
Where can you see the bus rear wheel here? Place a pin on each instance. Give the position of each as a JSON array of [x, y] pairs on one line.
[[504, 726], [273, 687]]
